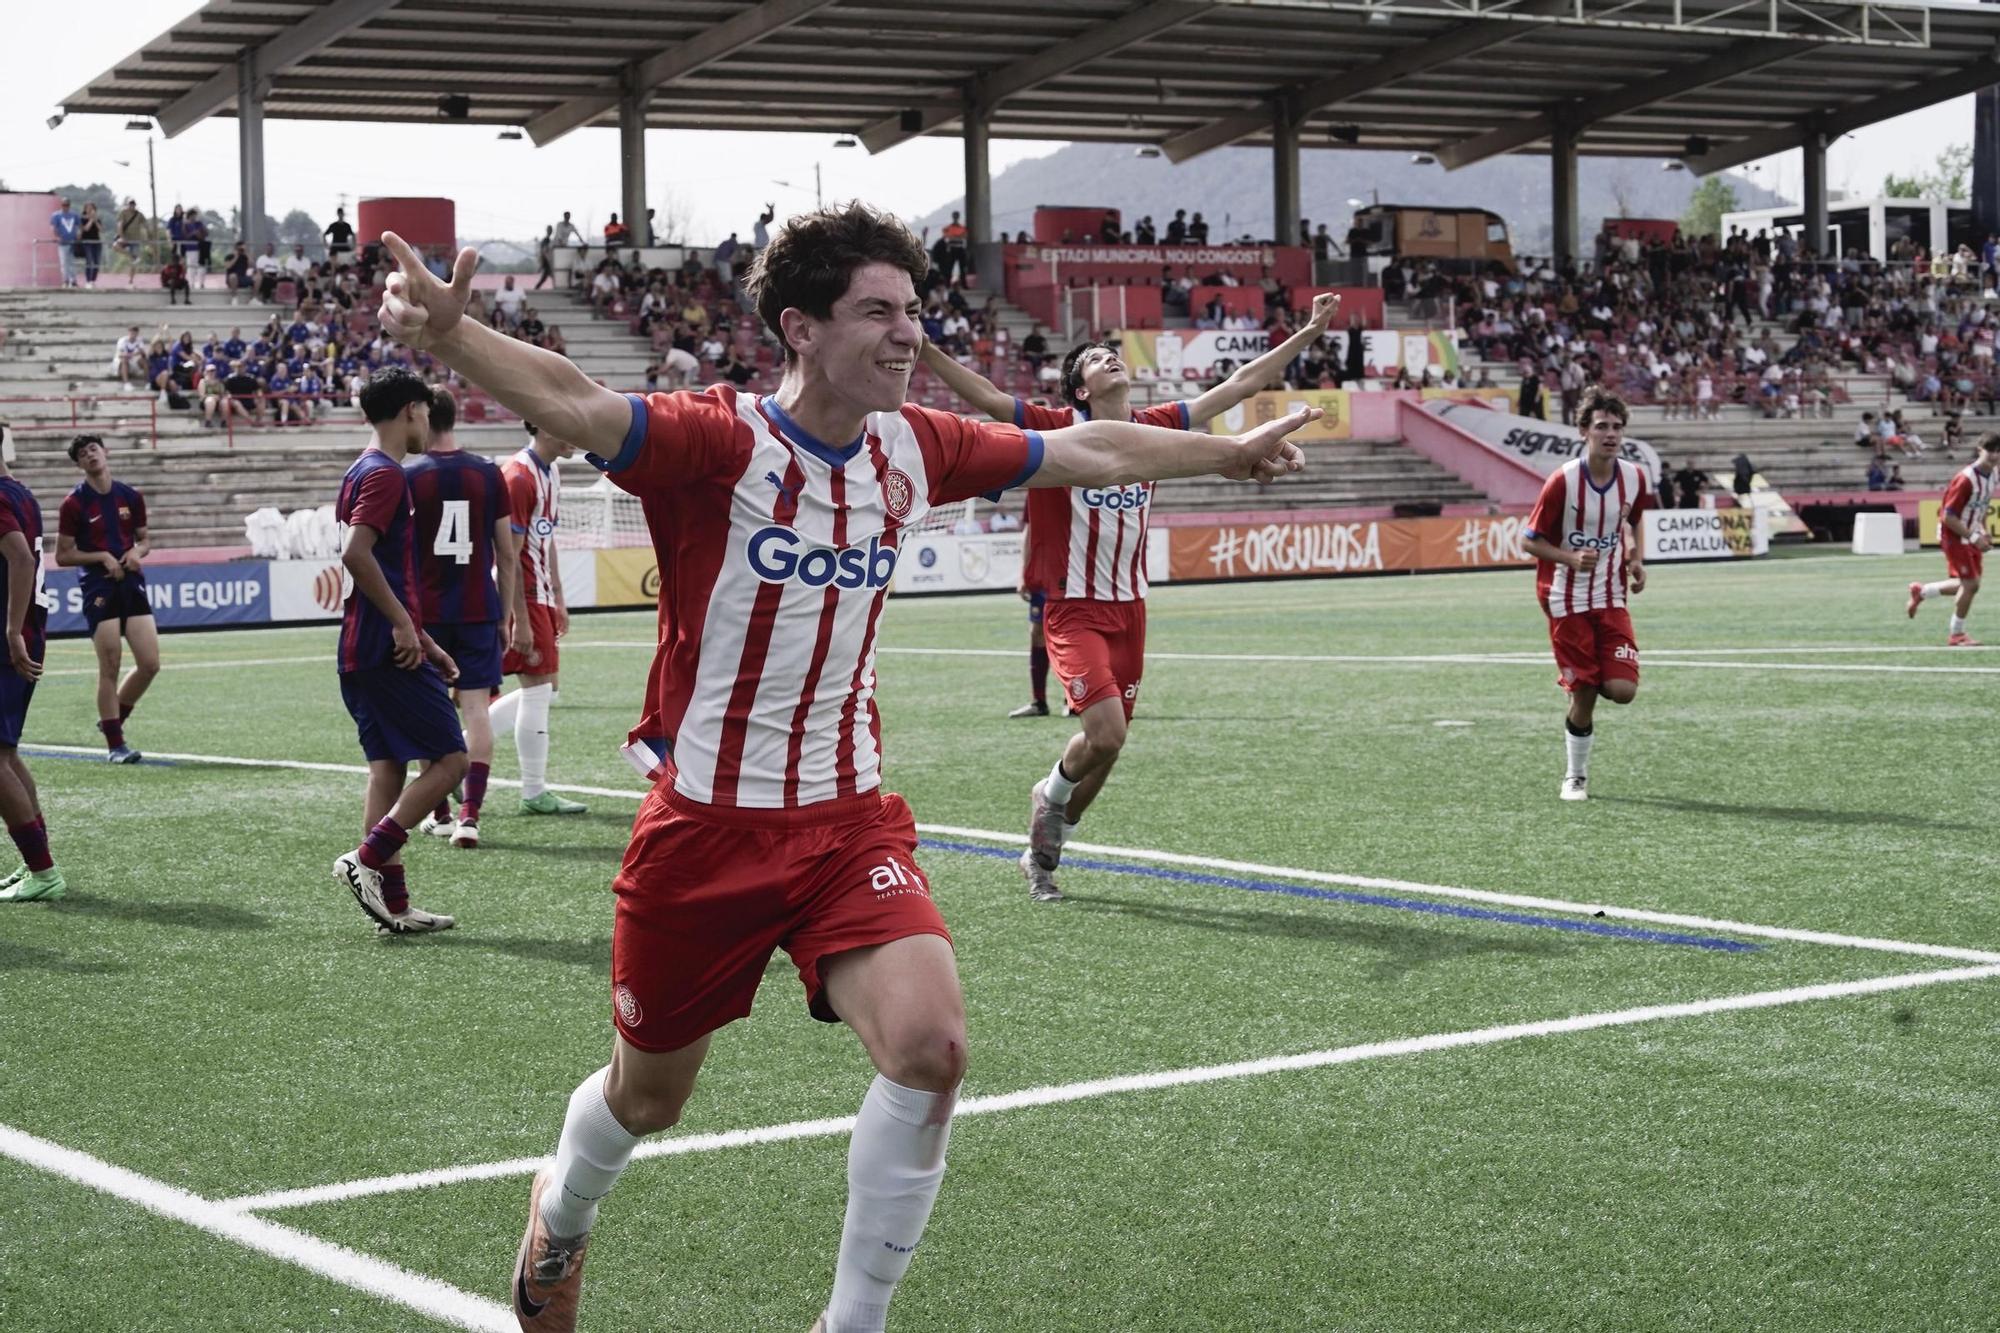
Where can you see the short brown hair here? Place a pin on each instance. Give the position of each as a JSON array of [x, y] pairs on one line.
[[810, 262], [1989, 442], [1597, 398]]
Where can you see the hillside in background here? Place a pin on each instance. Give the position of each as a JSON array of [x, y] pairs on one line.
[[1232, 187]]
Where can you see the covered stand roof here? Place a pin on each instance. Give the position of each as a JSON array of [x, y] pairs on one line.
[[1465, 79]]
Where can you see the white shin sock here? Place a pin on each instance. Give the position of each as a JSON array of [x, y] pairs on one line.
[[895, 1163], [531, 741], [594, 1148], [1578, 748], [503, 711]]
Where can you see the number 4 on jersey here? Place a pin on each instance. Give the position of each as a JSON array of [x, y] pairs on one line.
[[454, 536]]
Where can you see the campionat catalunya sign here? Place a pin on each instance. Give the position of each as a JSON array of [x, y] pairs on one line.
[[1705, 534]]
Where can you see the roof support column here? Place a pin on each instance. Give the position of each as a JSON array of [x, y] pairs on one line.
[[1815, 191], [250, 154], [1985, 165], [978, 124], [632, 104], [1562, 190], [1284, 171]]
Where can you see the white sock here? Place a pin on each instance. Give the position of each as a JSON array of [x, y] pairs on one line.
[[503, 711], [1928, 591], [531, 741], [1057, 787], [1579, 752], [1069, 831], [594, 1148], [1958, 624], [895, 1162]]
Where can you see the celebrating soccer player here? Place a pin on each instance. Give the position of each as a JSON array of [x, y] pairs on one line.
[[102, 527], [394, 678], [1087, 554], [1581, 534], [36, 879], [1963, 535], [777, 520], [464, 531], [534, 496]]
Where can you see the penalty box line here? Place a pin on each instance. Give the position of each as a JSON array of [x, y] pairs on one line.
[[1609, 911], [1149, 1082]]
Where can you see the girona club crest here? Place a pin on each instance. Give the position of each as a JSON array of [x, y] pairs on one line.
[[898, 493], [628, 1005], [1078, 687]]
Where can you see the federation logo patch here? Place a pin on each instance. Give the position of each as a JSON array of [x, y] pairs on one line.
[[1078, 687], [629, 1012], [898, 493]]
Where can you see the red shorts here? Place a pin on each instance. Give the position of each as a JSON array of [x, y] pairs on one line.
[[1962, 560], [706, 893], [1098, 650], [542, 620], [1593, 647]]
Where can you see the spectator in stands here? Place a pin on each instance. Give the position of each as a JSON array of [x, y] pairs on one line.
[[616, 233], [545, 258], [1864, 431], [956, 242], [211, 395], [738, 371], [339, 236], [1669, 499], [1197, 230], [507, 303], [532, 329], [1034, 350], [297, 267], [1878, 477], [679, 368], [134, 231], [713, 351], [565, 233], [1143, 233], [554, 340], [269, 269], [237, 274], [604, 289], [90, 243], [65, 225], [1177, 229], [1895, 481], [1954, 433], [1107, 229], [725, 260], [760, 230], [1689, 480], [128, 359], [174, 279], [1323, 245]]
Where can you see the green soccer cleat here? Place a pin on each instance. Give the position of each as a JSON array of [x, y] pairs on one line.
[[548, 803], [15, 876], [39, 886]]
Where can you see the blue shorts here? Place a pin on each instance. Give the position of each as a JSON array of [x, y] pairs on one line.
[[402, 715], [476, 649], [115, 599], [16, 691], [1036, 600]]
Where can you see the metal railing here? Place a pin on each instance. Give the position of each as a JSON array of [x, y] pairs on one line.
[[84, 414]]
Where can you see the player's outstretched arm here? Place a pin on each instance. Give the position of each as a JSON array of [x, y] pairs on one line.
[[1118, 453], [971, 386], [539, 385], [1265, 370], [21, 563]]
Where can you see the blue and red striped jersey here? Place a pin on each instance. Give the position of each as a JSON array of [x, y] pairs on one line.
[[102, 521], [458, 497], [19, 513], [376, 493]]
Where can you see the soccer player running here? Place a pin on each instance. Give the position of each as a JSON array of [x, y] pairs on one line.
[[777, 522], [533, 492], [36, 879], [394, 678], [1963, 535], [102, 528], [1582, 536], [465, 531], [1087, 552]]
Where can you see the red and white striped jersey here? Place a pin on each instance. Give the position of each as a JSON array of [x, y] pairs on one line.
[[1576, 514], [1967, 496], [1086, 542], [775, 552], [532, 488]]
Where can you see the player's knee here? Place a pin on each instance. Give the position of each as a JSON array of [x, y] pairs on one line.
[[1968, 585], [929, 1056], [1105, 735], [644, 1108], [454, 764], [1620, 691]]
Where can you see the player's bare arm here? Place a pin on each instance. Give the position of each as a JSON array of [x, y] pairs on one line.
[[136, 554], [1261, 373], [560, 610], [68, 554], [20, 559], [438, 657], [1118, 453], [507, 571], [537, 384], [359, 558], [971, 386], [1582, 561], [1635, 563]]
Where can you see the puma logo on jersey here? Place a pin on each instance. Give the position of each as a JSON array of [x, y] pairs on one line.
[[787, 493], [775, 557], [893, 879]]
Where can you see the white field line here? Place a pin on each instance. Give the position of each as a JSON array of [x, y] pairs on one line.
[[168, 664], [1606, 910], [377, 1277], [1171, 1078]]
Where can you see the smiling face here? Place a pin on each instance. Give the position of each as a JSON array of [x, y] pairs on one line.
[[863, 351], [1098, 371]]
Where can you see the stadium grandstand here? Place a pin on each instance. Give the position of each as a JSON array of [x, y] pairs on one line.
[[1799, 393]]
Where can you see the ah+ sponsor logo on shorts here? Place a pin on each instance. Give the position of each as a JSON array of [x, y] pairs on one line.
[[893, 879]]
